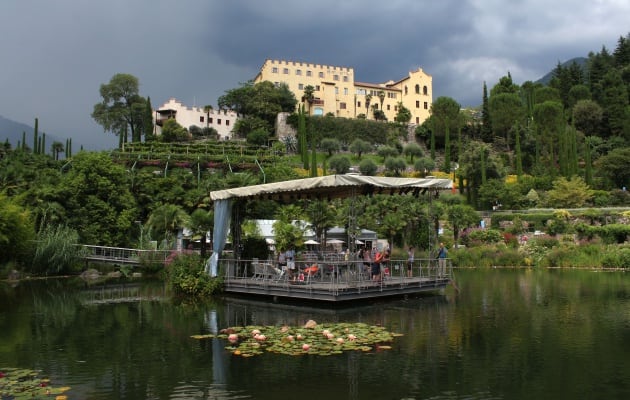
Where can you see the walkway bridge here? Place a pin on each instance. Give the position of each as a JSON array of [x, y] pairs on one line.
[[123, 256]]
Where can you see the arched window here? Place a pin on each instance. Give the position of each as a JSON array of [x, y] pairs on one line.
[[417, 89], [425, 90], [406, 90]]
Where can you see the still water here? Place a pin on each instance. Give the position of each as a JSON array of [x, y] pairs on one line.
[[506, 334]]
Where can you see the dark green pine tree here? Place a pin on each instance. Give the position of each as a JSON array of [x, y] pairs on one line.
[[621, 54], [486, 122], [517, 149], [615, 104]]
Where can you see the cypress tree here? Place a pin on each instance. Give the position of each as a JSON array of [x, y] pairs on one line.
[[35, 138], [23, 140], [588, 167], [42, 148], [519, 155], [486, 122]]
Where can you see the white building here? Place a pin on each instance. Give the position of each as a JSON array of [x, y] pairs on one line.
[[221, 120]]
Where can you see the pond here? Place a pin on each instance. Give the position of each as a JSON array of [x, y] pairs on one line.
[[503, 334]]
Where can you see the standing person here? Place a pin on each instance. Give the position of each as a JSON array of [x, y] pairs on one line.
[[290, 255], [442, 256], [376, 266], [410, 258], [282, 260], [367, 260]]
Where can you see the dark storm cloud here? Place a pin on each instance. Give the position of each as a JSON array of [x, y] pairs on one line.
[[56, 54]]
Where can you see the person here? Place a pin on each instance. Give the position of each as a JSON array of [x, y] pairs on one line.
[[376, 266], [290, 255], [282, 260], [367, 260], [410, 258], [442, 256], [387, 254]]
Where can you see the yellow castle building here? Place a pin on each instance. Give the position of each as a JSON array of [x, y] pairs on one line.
[[336, 91]]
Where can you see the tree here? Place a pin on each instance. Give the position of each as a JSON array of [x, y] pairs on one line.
[[122, 108], [368, 167], [424, 165], [174, 132], [445, 112], [572, 193], [330, 146], [99, 205], [341, 164], [200, 223], [461, 216], [403, 115], [165, 220], [395, 164], [505, 110], [614, 167], [16, 231], [550, 123], [486, 121], [587, 117], [309, 96], [412, 150], [360, 146], [56, 148]]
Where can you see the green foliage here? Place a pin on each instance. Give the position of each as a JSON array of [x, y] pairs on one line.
[[387, 152], [616, 257], [174, 132], [477, 237], [122, 108], [368, 167], [186, 277], [56, 251], [16, 231], [258, 137], [360, 146], [487, 256], [395, 165], [340, 163], [330, 146], [572, 193]]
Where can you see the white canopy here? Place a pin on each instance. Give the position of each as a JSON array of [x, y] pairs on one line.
[[333, 186], [311, 241]]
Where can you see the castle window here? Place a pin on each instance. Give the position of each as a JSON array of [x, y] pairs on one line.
[[227, 122], [425, 91], [285, 71], [335, 77], [358, 104], [210, 120], [417, 89], [345, 91], [309, 73], [417, 103], [388, 107], [321, 74], [298, 72], [406, 91], [300, 86], [201, 119], [345, 79], [426, 105], [274, 70], [218, 121], [342, 106]]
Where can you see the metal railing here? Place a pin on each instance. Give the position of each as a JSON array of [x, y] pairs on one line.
[[123, 255]]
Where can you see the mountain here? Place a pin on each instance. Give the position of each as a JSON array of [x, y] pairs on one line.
[[581, 61], [12, 131]]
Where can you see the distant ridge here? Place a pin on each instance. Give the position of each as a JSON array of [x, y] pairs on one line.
[[581, 61], [12, 131]]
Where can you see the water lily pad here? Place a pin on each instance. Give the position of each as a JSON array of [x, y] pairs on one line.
[[321, 340], [27, 384]]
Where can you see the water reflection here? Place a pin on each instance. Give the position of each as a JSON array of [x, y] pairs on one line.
[[505, 334]]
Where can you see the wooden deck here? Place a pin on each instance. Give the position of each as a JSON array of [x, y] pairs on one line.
[[336, 282]]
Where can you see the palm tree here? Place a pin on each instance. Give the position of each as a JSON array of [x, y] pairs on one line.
[[309, 96], [166, 220], [201, 222], [368, 99], [381, 97], [207, 109], [56, 148]]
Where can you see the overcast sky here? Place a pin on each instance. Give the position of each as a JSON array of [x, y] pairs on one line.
[[56, 53]]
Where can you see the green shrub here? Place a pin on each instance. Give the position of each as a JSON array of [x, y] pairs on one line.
[[186, 277], [56, 251], [616, 258]]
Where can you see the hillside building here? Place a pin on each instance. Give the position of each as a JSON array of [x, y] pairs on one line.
[[337, 92], [221, 120]]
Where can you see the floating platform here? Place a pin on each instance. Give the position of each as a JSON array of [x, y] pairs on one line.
[[336, 285]]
